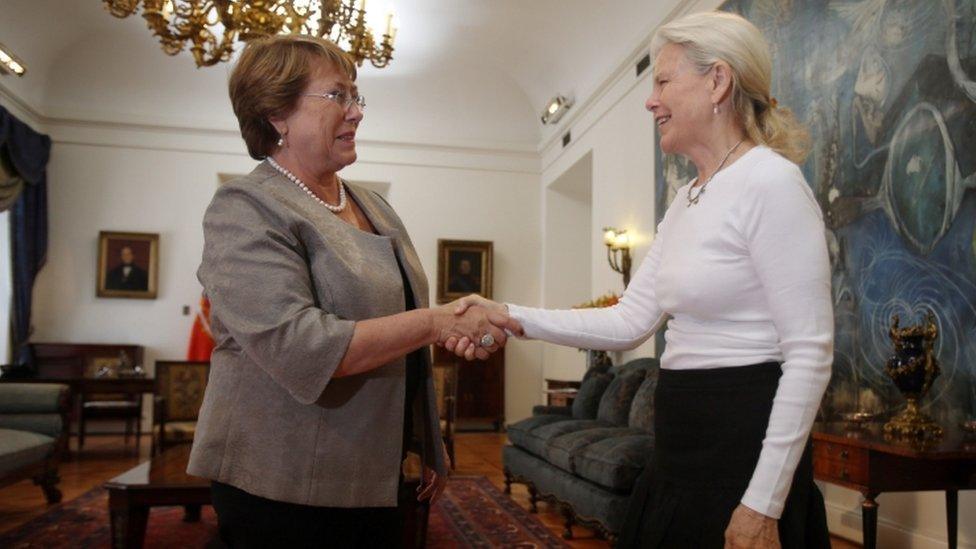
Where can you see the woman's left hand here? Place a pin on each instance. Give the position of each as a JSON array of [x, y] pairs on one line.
[[433, 484], [749, 529]]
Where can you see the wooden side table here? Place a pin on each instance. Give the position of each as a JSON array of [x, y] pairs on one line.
[[561, 392], [861, 459]]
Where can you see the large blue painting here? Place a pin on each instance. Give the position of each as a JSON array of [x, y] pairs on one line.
[[888, 91]]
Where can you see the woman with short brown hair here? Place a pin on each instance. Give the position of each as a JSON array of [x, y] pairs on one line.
[[320, 380]]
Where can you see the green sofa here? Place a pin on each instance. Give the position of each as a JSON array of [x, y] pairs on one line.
[[33, 434], [586, 458]]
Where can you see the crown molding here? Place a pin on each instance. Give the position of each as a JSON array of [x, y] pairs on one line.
[[21, 108], [198, 139]]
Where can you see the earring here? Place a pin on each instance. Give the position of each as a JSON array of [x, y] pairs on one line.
[[281, 141], [715, 108]]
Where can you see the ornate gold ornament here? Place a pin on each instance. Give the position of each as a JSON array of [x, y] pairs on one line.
[[210, 28], [913, 368]]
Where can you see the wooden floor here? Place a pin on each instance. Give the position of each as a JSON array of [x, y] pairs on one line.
[[106, 456]]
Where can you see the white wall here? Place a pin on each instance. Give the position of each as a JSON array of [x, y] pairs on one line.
[[128, 179], [568, 260], [618, 133]]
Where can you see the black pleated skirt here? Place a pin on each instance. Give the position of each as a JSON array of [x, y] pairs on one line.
[[709, 427]]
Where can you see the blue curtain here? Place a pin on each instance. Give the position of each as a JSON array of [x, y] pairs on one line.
[[27, 152]]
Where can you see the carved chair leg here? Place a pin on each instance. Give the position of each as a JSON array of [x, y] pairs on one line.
[[450, 453], [48, 481], [533, 499], [508, 481], [569, 518], [81, 432], [138, 426]]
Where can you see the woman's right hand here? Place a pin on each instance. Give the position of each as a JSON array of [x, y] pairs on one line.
[[471, 325], [467, 347]]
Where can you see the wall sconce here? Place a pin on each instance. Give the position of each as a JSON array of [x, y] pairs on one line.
[[618, 251], [555, 109]]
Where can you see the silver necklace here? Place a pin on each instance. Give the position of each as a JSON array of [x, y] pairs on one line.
[[692, 200], [342, 188]]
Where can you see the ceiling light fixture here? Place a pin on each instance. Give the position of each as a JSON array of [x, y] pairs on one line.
[[555, 109], [211, 27], [10, 63]]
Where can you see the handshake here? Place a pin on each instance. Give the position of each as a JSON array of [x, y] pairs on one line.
[[474, 327]]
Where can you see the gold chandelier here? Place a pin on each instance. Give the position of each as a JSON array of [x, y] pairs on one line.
[[210, 27]]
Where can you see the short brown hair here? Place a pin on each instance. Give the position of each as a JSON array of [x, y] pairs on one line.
[[269, 78]]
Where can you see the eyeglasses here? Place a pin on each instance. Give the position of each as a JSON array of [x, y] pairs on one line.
[[342, 98]]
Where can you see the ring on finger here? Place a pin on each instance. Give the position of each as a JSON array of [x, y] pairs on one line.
[[487, 340]]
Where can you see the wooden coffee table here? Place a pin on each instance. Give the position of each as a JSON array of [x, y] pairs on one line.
[[161, 481]]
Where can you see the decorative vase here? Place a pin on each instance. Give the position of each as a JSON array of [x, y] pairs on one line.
[[913, 368]]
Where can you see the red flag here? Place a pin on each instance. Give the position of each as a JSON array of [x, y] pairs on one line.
[[201, 340]]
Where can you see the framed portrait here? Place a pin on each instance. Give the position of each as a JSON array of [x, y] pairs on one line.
[[463, 267], [128, 264]]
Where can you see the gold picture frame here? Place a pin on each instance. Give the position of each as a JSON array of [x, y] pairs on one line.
[[463, 267], [128, 265]]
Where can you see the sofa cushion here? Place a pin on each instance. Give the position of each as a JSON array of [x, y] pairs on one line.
[[587, 400], [615, 404], [646, 364], [642, 408], [30, 398], [518, 432], [594, 370], [545, 409], [614, 462], [21, 448], [560, 450], [539, 437], [45, 424]]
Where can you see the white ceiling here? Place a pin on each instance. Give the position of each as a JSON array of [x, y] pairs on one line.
[[468, 72]]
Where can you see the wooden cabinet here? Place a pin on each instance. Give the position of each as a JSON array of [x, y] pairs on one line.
[[480, 390], [74, 360]]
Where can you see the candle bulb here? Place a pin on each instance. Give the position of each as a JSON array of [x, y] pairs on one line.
[[389, 23], [622, 241]]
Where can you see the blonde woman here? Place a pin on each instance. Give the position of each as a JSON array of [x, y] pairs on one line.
[[740, 267]]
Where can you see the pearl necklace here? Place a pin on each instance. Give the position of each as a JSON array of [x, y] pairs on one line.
[[342, 188], [692, 200]]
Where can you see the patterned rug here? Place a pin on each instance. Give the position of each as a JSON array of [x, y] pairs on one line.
[[471, 513]]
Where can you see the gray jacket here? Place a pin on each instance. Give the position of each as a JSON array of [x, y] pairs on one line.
[[287, 281]]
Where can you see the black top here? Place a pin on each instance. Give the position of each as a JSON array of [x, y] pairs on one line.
[[414, 364]]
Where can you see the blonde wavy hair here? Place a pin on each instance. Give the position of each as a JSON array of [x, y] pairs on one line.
[[709, 37]]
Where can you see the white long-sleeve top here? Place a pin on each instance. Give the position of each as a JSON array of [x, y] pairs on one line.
[[744, 277]]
